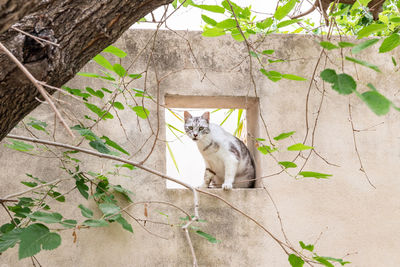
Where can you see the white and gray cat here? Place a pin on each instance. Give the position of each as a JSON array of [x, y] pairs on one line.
[[228, 161]]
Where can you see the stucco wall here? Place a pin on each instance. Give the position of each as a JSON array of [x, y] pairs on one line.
[[354, 218]]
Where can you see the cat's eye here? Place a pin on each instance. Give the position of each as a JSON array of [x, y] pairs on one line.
[[190, 128], [201, 128]]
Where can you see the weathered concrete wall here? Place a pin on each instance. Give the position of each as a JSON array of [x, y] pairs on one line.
[[354, 218]]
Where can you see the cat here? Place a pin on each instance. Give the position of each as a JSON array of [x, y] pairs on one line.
[[227, 159]]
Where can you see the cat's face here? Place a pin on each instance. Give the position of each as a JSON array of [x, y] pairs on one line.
[[197, 127]]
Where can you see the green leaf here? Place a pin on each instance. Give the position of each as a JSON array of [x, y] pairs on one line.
[[5, 228], [341, 261], [324, 261], [112, 144], [390, 43], [394, 61], [295, 261], [293, 77], [272, 75], [115, 51], [99, 146], [126, 165], [36, 237], [378, 103], [29, 184], [284, 135], [328, 45], [226, 24], [208, 20], [135, 76], [38, 125], [118, 105], [87, 74], [209, 237], [118, 69], [9, 239], [127, 226], [109, 209], [299, 147], [345, 44], [329, 75], [213, 32], [345, 84], [103, 114], [307, 247], [69, 223], [19, 146], [364, 63], [366, 31], [287, 164], [46, 217], [57, 196], [282, 11], [268, 52], [265, 23], [86, 212], [211, 8], [394, 19], [125, 192], [102, 61], [266, 149], [358, 48], [287, 23], [95, 223], [97, 93], [307, 174], [82, 188], [142, 112]]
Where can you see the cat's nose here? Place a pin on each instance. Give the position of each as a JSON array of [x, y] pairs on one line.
[[195, 135]]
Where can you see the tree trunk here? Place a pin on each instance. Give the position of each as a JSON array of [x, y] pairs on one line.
[[81, 28]]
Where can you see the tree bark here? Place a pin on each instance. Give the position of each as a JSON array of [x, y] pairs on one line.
[[81, 28], [12, 11]]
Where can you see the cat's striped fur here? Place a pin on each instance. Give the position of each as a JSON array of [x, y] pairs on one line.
[[228, 161]]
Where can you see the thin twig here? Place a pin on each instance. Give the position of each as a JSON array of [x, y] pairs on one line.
[[36, 38]]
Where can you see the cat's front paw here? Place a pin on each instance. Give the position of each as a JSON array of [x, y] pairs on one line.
[[227, 186]]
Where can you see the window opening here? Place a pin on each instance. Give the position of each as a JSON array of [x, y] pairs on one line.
[[183, 160]]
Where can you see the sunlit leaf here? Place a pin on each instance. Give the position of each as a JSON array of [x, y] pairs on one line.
[[299, 147], [317, 175], [115, 51], [226, 24], [208, 20], [295, 261], [363, 63], [102, 61], [328, 45], [287, 164], [284, 135], [366, 31], [390, 43], [142, 112], [282, 11], [358, 48]]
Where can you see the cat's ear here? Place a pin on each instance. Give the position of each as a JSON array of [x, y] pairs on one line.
[[187, 115], [206, 116]]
